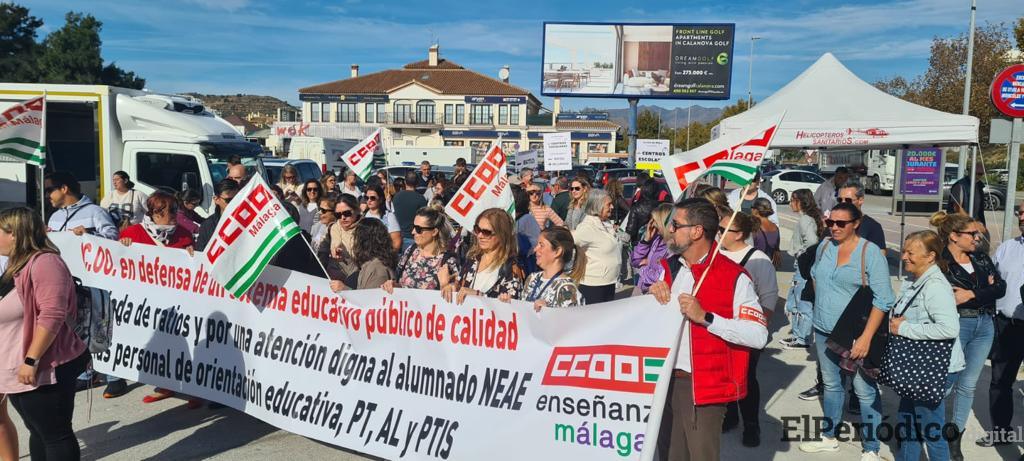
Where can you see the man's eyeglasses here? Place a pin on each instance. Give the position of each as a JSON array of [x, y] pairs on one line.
[[845, 200], [421, 229], [674, 226], [486, 233], [837, 222], [344, 214]]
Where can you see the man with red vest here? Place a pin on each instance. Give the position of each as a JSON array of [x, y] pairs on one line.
[[722, 322]]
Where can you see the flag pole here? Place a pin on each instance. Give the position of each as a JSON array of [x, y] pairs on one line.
[[711, 260], [317, 258], [42, 165]]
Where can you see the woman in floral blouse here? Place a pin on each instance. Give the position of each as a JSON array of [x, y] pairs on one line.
[[426, 265], [562, 265], [492, 270]]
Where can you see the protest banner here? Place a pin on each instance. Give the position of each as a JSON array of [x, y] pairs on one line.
[[252, 229], [487, 187], [649, 152], [407, 376], [526, 159], [735, 158], [557, 151], [360, 157], [23, 131]]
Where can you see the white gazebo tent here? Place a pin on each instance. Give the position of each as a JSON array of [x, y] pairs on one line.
[[827, 106]]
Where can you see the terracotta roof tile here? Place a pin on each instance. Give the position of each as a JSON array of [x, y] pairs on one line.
[[447, 78]]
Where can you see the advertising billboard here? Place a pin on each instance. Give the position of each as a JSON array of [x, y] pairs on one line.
[[623, 60]]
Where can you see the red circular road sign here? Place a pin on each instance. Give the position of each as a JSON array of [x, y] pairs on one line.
[[1008, 91]]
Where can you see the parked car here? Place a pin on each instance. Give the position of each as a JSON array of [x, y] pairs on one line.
[[401, 170], [995, 194], [629, 188], [782, 184], [601, 166], [620, 173], [308, 169]]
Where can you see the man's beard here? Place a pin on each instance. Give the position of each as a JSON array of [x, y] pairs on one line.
[[678, 249]]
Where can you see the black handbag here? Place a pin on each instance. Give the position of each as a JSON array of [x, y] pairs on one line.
[[916, 369], [851, 325]]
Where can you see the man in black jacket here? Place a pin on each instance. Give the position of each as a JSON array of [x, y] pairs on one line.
[[224, 191]]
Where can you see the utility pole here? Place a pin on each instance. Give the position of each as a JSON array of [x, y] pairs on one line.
[[962, 163], [750, 80]]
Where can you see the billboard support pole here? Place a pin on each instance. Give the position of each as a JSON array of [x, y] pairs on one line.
[[631, 134], [1011, 182]]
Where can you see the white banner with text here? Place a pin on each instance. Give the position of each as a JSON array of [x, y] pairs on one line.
[[407, 376]]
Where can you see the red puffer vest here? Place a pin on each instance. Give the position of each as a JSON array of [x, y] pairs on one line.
[[719, 367]]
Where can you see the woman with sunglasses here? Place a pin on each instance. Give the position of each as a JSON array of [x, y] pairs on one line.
[[376, 209], [762, 272], [491, 269], [562, 265], [544, 214], [187, 217], [335, 251], [325, 217], [976, 287], [837, 276], [579, 189], [329, 183], [309, 206], [652, 248], [290, 185], [350, 186], [426, 265], [597, 235]]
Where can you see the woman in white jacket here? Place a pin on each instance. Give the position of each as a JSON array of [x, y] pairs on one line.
[[598, 237]]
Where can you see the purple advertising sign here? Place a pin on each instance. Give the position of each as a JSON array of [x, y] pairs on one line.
[[922, 171]]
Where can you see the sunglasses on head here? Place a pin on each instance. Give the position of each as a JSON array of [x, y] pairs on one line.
[[421, 229], [483, 232], [343, 214], [837, 222]]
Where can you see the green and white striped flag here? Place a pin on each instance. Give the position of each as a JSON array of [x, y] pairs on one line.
[[360, 157], [251, 230], [23, 131]]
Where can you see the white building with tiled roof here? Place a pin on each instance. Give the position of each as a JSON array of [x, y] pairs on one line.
[[437, 103]]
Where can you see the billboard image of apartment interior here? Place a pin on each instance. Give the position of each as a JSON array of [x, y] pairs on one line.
[[607, 59]]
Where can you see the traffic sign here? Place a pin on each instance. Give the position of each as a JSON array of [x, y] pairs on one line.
[[1008, 91]]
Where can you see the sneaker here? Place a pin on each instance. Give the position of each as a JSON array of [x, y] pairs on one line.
[[787, 341], [811, 394], [115, 389], [825, 444], [870, 456], [751, 437], [796, 345]]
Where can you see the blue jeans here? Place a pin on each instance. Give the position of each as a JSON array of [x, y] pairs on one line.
[[864, 387], [976, 335], [923, 423], [800, 312]]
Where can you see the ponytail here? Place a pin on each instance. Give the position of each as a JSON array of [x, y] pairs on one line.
[[578, 264]]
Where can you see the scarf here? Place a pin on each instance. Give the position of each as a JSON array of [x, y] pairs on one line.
[[342, 238], [160, 233]]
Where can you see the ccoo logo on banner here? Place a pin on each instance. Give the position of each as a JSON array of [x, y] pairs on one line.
[[487, 187]]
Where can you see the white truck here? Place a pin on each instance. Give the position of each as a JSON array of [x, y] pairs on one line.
[[440, 156], [162, 141], [326, 152], [880, 177]]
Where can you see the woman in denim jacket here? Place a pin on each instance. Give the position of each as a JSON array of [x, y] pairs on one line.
[[926, 310], [976, 287]]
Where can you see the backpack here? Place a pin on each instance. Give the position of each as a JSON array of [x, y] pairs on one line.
[[93, 323]]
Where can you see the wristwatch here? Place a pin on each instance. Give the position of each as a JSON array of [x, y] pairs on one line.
[[30, 361], [708, 318]]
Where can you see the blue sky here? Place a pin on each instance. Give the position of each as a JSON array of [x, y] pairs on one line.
[[275, 47]]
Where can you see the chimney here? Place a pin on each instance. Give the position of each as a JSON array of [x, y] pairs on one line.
[[557, 109], [432, 55], [355, 70]]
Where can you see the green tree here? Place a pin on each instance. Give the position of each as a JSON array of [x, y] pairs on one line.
[[941, 87], [18, 47], [116, 76], [1018, 32], [71, 54]]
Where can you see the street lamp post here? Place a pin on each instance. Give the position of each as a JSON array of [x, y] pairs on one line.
[[750, 80]]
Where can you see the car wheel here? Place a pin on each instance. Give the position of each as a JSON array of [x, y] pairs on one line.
[[993, 202], [876, 185], [780, 196]]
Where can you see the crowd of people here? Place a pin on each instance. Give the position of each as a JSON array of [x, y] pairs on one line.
[[570, 243]]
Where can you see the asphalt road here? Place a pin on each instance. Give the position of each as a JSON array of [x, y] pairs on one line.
[[126, 429]]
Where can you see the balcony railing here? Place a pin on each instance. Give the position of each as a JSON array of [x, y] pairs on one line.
[[405, 118]]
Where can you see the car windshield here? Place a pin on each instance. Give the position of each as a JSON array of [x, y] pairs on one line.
[[218, 154]]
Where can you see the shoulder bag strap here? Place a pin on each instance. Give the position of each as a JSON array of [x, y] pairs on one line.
[[911, 300], [746, 257], [68, 219]]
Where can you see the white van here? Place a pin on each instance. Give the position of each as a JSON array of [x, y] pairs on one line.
[[162, 141], [326, 152]]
